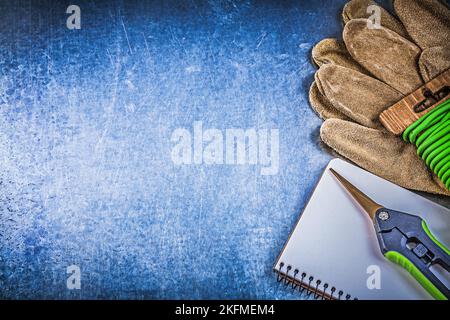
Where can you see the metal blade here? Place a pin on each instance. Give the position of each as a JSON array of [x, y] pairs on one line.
[[370, 206]]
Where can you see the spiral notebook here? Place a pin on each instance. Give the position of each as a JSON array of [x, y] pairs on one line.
[[333, 253]]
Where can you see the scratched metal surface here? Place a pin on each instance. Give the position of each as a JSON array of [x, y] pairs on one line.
[[86, 117]]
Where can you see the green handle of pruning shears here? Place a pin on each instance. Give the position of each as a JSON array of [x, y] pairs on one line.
[[433, 238], [404, 262], [421, 274]]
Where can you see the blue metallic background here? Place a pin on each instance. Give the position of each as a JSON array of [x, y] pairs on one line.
[[86, 116]]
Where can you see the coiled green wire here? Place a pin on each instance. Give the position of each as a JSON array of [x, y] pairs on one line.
[[431, 135]]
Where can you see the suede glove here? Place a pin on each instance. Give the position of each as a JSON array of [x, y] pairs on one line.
[[372, 70]]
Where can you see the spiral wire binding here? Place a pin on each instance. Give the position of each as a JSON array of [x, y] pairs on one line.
[[307, 286]]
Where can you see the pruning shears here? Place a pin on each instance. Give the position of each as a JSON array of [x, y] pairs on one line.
[[406, 240]]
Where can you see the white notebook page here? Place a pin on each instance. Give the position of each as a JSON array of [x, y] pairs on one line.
[[334, 240]]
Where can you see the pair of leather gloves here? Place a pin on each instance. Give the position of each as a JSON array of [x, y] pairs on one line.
[[370, 71]]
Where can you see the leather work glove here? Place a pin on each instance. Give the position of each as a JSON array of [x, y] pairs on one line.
[[372, 70]]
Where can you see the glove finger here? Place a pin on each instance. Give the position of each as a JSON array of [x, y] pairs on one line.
[[388, 56], [357, 9], [433, 62], [332, 51], [322, 106], [358, 96], [380, 153], [427, 21]]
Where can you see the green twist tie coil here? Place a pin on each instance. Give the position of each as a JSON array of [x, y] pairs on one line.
[[431, 135]]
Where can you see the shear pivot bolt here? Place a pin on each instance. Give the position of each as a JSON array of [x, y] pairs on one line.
[[383, 215]]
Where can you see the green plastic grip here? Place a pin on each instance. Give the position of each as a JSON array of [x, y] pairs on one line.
[[433, 238], [404, 262]]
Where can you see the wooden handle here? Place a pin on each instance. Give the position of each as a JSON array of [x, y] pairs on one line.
[[411, 108]]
